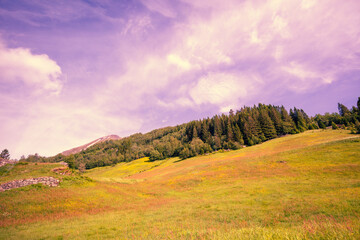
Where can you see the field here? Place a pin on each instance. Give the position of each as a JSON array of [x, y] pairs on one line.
[[304, 186]]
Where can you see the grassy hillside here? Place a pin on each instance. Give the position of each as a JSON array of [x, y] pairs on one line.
[[294, 187], [18, 171]]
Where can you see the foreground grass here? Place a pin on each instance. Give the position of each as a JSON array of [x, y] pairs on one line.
[[304, 186]]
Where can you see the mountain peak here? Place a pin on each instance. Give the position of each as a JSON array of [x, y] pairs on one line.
[[85, 146]]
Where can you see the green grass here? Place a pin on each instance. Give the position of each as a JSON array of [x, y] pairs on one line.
[[121, 171], [18, 171], [304, 186]]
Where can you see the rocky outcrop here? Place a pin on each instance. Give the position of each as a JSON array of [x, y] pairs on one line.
[[48, 181], [62, 171]]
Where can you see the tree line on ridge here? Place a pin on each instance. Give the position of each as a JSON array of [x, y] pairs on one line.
[[245, 127]]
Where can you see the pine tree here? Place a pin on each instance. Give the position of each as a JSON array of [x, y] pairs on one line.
[[237, 135], [217, 126], [301, 122], [254, 123], [229, 132], [343, 110], [287, 122], [299, 119], [195, 134], [248, 135], [231, 113], [276, 119], [205, 133], [267, 125]]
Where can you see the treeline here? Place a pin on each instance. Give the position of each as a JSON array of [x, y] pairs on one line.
[[346, 119], [245, 127]]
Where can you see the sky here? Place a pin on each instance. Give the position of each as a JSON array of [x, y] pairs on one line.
[[73, 71]]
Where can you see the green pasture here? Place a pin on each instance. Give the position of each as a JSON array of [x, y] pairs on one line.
[[303, 186]]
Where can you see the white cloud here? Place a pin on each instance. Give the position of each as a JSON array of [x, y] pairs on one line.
[[226, 109], [254, 38], [275, 40], [305, 78], [300, 71], [39, 72], [280, 26], [178, 61], [219, 89]]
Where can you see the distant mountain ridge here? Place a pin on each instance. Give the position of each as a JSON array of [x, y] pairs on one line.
[[86, 146]]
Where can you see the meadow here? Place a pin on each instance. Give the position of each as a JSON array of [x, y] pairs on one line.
[[303, 186]]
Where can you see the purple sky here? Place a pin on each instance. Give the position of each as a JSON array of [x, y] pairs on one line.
[[72, 71]]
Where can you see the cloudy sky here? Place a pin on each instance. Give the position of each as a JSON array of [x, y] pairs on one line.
[[72, 71]]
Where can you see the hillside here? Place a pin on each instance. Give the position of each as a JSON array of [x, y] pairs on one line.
[[86, 146], [298, 186], [245, 127]]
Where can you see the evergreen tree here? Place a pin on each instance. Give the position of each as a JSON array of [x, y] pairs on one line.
[[248, 136], [5, 154], [267, 125], [343, 110], [231, 113], [299, 119], [276, 119], [217, 126], [287, 122], [237, 135], [195, 134], [229, 132], [205, 133]]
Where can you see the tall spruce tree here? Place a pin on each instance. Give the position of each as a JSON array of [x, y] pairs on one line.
[[287, 122], [267, 125], [275, 116], [205, 133], [238, 135], [217, 126], [229, 132]]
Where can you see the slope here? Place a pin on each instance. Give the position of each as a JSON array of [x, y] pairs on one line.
[[164, 169], [86, 146], [295, 187]]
